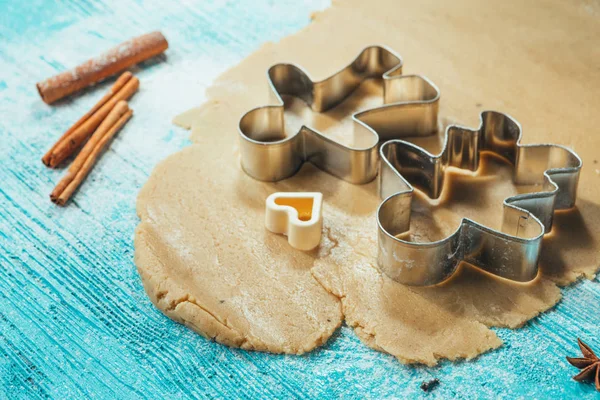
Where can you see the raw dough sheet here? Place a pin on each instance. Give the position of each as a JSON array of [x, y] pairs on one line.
[[207, 261]]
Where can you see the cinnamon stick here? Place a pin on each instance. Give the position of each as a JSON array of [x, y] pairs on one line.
[[67, 145], [96, 69], [90, 153], [120, 82]]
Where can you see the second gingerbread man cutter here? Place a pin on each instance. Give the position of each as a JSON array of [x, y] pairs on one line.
[[411, 109]]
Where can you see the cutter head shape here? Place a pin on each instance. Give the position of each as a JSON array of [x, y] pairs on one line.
[[410, 109]]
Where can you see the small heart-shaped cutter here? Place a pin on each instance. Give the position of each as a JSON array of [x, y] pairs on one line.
[[296, 215]]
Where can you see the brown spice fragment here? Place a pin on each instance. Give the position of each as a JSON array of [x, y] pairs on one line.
[[115, 60], [123, 89], [119, 83], [430, 385], [84, 162], [589, 365]]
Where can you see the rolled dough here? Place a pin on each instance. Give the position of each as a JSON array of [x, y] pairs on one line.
[[207, 261]]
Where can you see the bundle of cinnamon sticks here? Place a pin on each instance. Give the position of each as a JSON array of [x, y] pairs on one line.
[[99, 125]]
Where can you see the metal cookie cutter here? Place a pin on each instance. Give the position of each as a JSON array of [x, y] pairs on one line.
[[511, 252], [411, 106], [410, 109]]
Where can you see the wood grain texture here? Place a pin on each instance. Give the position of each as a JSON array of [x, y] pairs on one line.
[[74, 319]]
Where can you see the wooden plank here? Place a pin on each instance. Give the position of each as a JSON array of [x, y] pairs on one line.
[[74, 319]]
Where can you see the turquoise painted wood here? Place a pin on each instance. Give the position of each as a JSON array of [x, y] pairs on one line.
[[74, 319]]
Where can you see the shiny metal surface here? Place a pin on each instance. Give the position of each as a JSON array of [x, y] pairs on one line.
[[410, 109], [511, 252]]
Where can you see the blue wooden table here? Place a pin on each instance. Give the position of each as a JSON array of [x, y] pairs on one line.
[[74, 319]]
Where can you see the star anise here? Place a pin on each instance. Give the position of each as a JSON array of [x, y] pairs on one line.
[[589, 365]]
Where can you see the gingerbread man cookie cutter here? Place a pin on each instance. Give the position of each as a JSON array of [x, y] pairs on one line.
[[410, 109]]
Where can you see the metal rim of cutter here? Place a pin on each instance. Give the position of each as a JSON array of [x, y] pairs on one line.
[[511, 252], [411, 106], [410, 109]]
